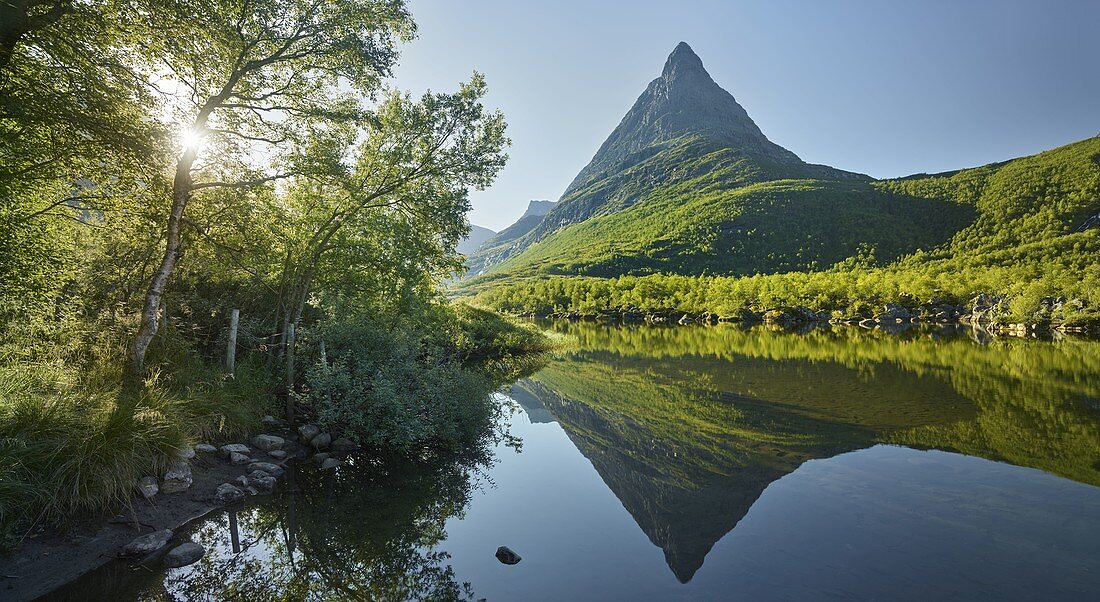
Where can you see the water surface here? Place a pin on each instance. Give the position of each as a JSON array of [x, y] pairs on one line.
[[709, 463]]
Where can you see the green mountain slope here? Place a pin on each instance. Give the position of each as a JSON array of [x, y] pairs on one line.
[[1032, 233], [1034, 200], [717, 211], [683, 126]]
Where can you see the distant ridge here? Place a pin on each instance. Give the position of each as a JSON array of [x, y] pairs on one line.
[[487, 253], [477, 236]]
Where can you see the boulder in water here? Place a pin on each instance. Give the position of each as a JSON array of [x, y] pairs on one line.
[[184, 554], [507, 556], [147, 544]]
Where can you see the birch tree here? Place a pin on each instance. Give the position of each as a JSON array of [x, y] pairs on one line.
[[250, 80]]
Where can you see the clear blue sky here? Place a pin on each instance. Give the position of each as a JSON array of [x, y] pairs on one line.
[[886, 88]]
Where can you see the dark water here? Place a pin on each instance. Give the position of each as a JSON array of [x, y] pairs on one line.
[[709, 463]]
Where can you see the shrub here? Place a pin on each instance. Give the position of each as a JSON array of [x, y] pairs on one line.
[[418, 387]]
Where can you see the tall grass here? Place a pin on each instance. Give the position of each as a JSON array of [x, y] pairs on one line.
[[67, 449]]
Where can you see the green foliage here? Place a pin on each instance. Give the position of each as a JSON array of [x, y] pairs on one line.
[[393, 389], [66, 451], [140, 146], [423, 386], [78, 138], [498, 347]]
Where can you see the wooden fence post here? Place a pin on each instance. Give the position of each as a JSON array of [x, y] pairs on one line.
[[290, 373], [234, 532], [231, 348], [324, 366]]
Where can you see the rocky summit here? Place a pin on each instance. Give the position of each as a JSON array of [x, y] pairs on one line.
[[683, 101]]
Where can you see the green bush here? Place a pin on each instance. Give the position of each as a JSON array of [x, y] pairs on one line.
[[423, 385], [391, 388]]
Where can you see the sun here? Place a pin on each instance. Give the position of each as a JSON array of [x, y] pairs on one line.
[[190, 139]]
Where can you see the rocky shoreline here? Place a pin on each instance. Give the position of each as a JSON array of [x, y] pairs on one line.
[[199, 479], [985, 311]]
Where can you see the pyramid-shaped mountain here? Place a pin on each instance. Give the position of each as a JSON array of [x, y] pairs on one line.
[[687, 182], [685, 101]]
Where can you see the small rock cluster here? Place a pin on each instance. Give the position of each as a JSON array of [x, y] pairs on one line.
[[259, 480], [181, 555], [324, 446]]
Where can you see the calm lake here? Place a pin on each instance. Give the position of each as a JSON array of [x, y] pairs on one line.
[[707, 463]]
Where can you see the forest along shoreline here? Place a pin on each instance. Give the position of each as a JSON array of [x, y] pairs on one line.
[[984, 311], [173, 268]]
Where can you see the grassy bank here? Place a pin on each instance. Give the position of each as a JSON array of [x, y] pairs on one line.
[[69, 448]]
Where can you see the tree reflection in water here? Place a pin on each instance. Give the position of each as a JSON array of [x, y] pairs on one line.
[[368, 532]]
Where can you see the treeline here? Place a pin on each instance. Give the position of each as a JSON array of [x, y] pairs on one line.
[[164, 162], [845, 292]]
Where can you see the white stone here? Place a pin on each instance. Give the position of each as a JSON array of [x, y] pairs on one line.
[[148, 487], [177, 478], [147, 544], [271, 469], [268, 442], [235, 448]]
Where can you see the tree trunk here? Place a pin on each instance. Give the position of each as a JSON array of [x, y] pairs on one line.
[[181, 194], [16, 21]]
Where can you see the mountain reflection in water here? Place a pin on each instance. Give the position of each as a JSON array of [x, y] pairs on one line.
[[759, 464], [689, 425]]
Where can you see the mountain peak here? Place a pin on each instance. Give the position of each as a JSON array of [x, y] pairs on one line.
[[536, 207], [683, 59], [681, 118], [683, 102]]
